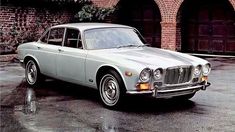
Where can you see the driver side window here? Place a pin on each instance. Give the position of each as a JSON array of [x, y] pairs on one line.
[[56, 36]]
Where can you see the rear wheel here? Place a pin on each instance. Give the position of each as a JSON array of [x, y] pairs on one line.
[[32, 73], [111, 89]]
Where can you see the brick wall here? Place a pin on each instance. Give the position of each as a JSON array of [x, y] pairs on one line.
[[20, 20], [168, 35], [171, 35], [178, 37], [15, 21], [105, 3]]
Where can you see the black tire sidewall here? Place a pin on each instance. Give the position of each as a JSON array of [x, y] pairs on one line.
[[38, 78], [121, 89]]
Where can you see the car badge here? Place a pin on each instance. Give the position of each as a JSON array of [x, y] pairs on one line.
[[181, 70]]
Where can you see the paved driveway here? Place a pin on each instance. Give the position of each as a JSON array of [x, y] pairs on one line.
[[59, 106]]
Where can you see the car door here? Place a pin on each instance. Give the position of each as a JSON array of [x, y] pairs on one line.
[[48, 47], [71, 58]]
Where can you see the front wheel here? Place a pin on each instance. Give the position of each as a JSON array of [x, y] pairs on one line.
[[32, 73], [111, 89]]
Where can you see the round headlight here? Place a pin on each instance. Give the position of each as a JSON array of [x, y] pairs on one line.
[[157, 74], [206, 69], [145, 75], [197, 70]]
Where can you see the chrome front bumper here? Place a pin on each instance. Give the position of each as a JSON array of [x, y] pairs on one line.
[[168, 93]]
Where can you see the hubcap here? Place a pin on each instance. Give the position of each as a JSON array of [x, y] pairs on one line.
[[31, 72], [109, 90]]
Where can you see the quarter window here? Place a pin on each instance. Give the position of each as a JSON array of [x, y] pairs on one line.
[[56, 36], [45, 37]]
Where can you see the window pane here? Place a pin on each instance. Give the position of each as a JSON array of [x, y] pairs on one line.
[[106, 38], [56, 36], [45, 37], [72, 38]]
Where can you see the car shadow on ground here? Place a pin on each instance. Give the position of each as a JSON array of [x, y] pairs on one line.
[[143, 104], [137, 104]]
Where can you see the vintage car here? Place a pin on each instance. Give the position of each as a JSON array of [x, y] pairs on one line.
[[115, 60]]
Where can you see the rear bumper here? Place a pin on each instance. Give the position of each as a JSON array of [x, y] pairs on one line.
[[171, 92], [22, 63]]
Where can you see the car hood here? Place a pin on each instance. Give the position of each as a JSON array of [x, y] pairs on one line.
[[151, 57]]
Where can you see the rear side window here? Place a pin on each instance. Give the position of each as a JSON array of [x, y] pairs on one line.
[[72, 38], [56, 36]]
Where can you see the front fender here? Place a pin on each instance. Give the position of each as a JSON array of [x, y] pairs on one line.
[[31, 56], [114, 67], [129, 81]]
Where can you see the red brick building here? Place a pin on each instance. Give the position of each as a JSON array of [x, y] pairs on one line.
[[21, 20], [202, 26]]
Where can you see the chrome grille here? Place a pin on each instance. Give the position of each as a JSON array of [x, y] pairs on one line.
[[177, 75]]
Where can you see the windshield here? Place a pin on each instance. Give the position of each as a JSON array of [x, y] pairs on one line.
[[106, 38]]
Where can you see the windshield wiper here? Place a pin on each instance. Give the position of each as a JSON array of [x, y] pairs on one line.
[[130, 45], [144, 45], [134, 45]]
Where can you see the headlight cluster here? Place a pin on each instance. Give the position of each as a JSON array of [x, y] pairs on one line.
[[206, 69], [157, 74], [146, 74], [197, 70]]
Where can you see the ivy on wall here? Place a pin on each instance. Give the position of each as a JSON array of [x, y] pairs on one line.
[[92, 13], [29, 30]]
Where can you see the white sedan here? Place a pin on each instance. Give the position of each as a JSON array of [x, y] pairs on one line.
[[113, 59]]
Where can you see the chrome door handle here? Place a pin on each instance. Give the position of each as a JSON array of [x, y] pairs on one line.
[[60, 50]]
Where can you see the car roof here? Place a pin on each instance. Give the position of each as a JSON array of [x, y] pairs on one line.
[[86, 26]]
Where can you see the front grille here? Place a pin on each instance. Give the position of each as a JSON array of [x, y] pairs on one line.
[[177, 75]]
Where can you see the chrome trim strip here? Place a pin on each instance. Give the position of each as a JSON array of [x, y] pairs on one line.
[[181, 89], [185, 89], [140, 92], [179, 84]]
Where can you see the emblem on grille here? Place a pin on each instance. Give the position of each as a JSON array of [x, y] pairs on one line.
[[181, 70]]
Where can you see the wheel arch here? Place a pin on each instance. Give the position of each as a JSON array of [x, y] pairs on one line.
[[103, 69], [28, 57]]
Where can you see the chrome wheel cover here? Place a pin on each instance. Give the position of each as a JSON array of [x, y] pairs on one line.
[[109, 90], [31, 72]]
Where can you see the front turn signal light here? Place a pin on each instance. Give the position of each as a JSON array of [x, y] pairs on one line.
[[143, 86], [129, 74], [204, 78]]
